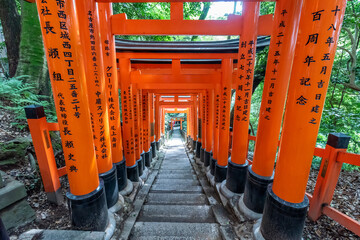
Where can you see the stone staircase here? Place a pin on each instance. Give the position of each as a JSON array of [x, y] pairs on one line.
[[176, 206]]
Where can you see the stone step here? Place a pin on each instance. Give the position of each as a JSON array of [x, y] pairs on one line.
[[177, 181], [176, 213], [175, 230], [183, 171], [176, 176], [176, 167], [176, 199], [171, 188]]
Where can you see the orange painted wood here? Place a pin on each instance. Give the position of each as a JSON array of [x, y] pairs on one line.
[[306, 96], [225, 101], [349, 158], [66, 68], [231, 26], [111, 81], [245, 76], [44, 154], [277, 77]]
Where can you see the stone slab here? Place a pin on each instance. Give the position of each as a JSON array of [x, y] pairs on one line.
[[61, 234], [173, 167], [12, 192], [167, 230], [176, 213], [176, 176], [176, 199], [17, 214], [177, 181], [183, 171], [175, 188]]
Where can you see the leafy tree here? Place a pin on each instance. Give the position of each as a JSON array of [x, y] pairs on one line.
[[350, 36], [10, 21], [32, 61]]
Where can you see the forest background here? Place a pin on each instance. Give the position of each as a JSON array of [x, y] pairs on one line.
[[24, 77]]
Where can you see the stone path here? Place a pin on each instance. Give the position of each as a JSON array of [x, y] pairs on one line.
[[176, 206]]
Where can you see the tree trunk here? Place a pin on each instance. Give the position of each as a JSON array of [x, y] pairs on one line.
[[32, 60], [203, 15], [10, 21]]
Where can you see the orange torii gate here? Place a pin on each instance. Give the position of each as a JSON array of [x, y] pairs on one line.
[[86, 74]]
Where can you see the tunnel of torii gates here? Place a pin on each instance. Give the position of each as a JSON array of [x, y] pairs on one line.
[[87, 67]]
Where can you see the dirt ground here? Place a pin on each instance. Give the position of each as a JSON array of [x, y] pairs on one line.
[[50, 216]]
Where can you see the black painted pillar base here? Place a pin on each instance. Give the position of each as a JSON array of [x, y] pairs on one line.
[[220, 173], [193, 146], [207, 157], [212, 166], [255, 191], [282, 219], [148, 158], [150, 154], [140, 165], [236, 177], [142, 155], [121, 174], [198, 149], [202, 154], [89, 212], [133, 173], [111, 186], [158, 145], [153, 149]]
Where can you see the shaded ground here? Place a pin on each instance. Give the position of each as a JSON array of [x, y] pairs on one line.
[[346, 199]]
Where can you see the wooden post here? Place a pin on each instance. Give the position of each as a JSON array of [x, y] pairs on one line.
[[328, 174], [66, 68], [237, 168], [209, 127], [127, 117], [225, 100], [157, 122], [216, 129], [319, 30], [152, 125], [280, 59], [112, 88], [38, 127]]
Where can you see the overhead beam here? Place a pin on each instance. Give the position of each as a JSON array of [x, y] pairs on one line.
[[232, 26]]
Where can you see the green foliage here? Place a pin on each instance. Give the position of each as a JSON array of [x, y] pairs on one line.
[[267, 8], [160, 10], [16, 93]]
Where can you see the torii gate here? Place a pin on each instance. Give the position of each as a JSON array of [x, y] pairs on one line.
[[82, 65]]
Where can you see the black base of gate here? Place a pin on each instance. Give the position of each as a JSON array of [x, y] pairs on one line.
[[220, 173], [140, 165], [133, 173], [121, 174], [89, 212], [236, 177], [207, 158], [198, 147], [255, 191], [111, 186], [282, 219], [148, 158], [202, 154], [212, 165]]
